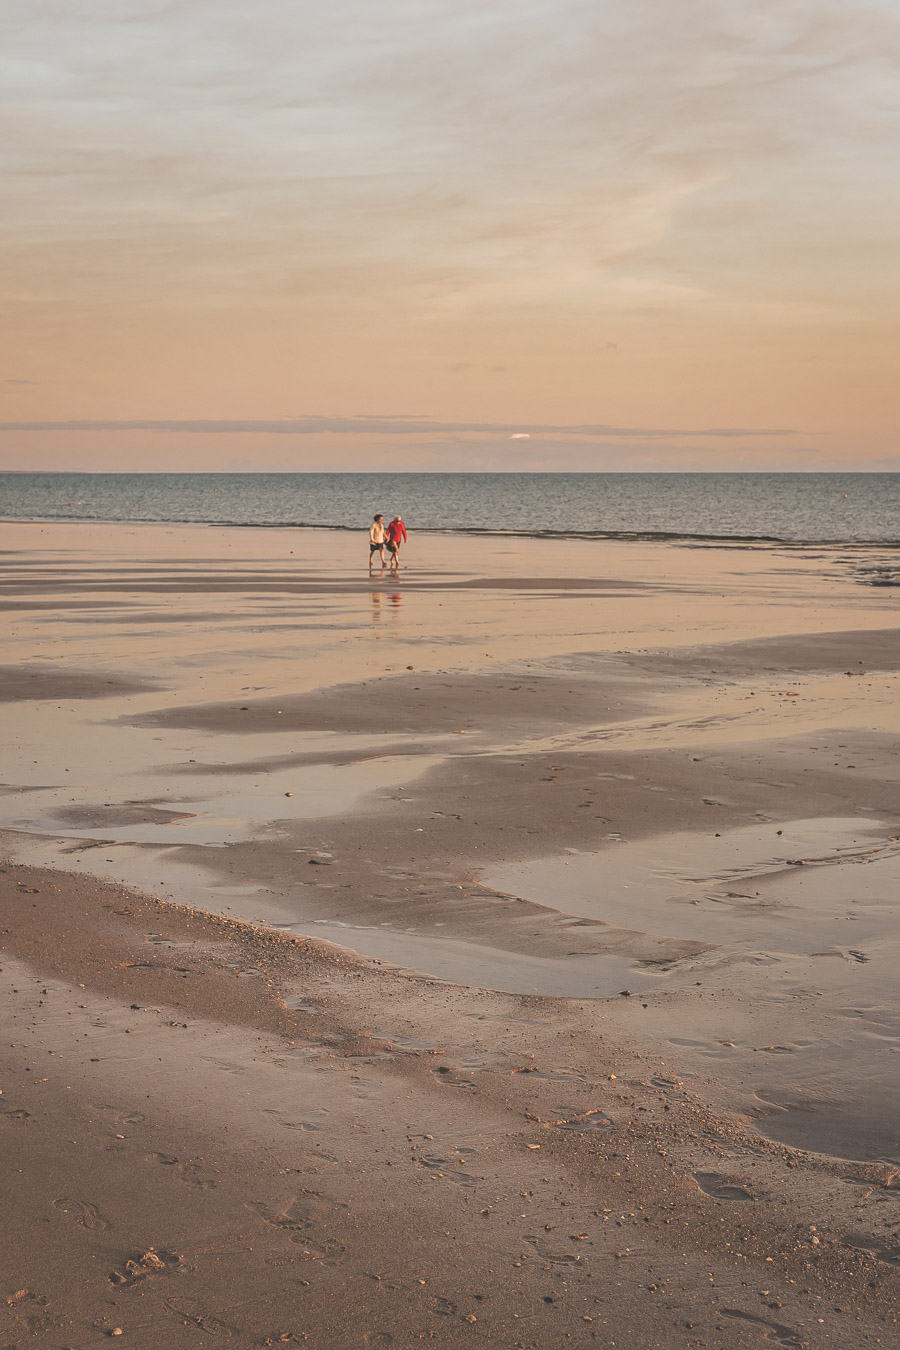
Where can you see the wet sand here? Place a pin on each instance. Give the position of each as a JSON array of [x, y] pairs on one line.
[[571, 901]]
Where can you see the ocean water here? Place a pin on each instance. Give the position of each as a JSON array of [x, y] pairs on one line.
[[799, 508]]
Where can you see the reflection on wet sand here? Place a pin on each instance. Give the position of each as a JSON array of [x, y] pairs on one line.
[[798, 979], [638, 806], [394, 602]]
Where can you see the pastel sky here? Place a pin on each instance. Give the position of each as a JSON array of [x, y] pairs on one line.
[[449, 234]]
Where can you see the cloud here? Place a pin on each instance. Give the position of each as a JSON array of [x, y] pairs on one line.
[[473, 157], [213, 206], [387, 426]]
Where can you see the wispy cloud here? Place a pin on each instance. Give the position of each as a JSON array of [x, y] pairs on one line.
[[467, 148], [391, 426], [378, 206]]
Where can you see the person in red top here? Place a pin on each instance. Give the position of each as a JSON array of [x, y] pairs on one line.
[[394, 536]]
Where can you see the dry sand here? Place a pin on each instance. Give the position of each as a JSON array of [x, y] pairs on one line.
[[506, 951]]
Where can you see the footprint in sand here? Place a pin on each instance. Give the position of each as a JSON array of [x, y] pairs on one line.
[[871, 1246], [305, 1209], [196, 1315], [304, 1125], [787, 1335], [330, 1251], [83, 1213], [15, 1113], [587, 1120], [26, 1301], [447, 1170], [194, 1173], [442, 1306], [557, 1258], [126, 1118], [298, 1217], [671, 1085], [225, 1065], [720, 1188], [197, 1174], [443, 1075], [28, 1309]]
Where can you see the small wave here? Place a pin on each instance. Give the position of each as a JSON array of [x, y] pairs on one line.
[[475, 531], [484, 531]]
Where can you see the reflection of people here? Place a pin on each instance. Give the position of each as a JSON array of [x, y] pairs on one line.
[[376, 539], [377, 595], [395, 535]]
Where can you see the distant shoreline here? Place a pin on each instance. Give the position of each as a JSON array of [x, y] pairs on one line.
[[599, 536]]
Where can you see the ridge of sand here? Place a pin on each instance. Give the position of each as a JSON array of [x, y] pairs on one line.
[[205, 1124]]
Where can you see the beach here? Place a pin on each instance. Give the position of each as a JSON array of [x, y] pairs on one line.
[[506, 950]]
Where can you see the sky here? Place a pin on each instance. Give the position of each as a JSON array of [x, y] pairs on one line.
[[449, 234]]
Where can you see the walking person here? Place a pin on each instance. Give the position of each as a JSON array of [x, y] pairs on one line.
[[395, 535], [376, 540]]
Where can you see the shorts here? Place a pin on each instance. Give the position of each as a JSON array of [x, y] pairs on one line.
[[391, 548], [375, 548]]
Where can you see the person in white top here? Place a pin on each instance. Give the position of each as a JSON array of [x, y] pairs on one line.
[[376, 539]]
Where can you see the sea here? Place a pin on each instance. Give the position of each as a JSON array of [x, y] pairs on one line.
[[801, 508]]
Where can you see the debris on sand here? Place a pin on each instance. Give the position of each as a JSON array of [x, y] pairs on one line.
[[139, 1268]]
